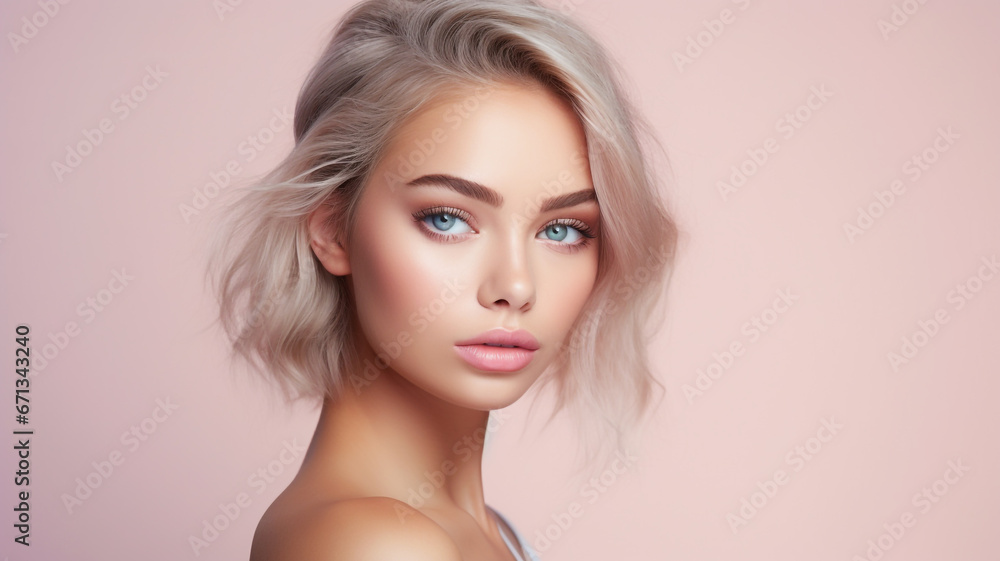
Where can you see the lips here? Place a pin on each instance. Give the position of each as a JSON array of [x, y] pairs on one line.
[[498, 350], [501, 337]]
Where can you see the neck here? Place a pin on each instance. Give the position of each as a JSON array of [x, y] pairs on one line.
[[390, 438]]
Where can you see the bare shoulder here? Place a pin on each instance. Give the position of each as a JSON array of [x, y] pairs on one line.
[[351, 529]]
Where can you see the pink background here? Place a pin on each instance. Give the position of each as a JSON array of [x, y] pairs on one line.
[[825, 357]]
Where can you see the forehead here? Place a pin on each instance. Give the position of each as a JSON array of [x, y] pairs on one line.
[[507, 136]]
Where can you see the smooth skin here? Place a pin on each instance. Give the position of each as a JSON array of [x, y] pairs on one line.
[[430, 265]]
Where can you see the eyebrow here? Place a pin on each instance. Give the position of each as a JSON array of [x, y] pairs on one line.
[[491, 197]]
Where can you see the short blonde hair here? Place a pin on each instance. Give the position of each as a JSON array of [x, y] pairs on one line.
[[388, 59]]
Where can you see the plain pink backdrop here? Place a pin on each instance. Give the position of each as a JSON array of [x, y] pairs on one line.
[[715, 85]]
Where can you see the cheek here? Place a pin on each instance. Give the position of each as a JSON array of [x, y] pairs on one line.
[[567, 288], [398, 280]]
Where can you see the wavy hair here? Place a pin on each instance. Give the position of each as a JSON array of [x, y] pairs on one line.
[[387, 59]]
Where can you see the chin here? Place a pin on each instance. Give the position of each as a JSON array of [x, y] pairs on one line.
[[482, 391]]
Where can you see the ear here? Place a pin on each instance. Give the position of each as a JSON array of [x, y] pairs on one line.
[[328, 250]]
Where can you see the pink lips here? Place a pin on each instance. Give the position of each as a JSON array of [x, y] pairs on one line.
[[485, 353]]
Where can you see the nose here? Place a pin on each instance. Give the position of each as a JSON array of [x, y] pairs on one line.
[[508, 281]]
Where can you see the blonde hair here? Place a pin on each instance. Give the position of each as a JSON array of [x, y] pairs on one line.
[[388, 59]]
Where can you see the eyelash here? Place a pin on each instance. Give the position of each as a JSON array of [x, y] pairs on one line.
[[578, 225]]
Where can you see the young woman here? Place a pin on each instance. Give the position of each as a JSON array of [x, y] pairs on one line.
[[467, 211]]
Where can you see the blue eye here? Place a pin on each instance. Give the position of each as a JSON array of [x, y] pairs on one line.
[[577, 234], [440, 220], [559, 232]]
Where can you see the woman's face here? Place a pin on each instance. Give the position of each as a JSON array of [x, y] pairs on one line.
[[481, 216]]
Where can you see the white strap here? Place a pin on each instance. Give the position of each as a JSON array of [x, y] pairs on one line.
[[510, 546], [527, 549]]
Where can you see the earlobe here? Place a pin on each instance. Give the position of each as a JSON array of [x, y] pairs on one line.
[[328, 250]]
